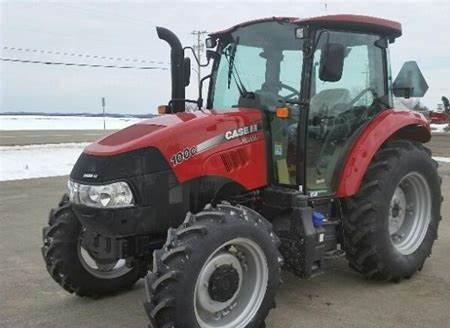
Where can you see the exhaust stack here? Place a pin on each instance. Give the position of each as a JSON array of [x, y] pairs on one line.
[[176, 67]]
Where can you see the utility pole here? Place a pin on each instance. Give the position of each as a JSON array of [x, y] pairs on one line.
[[199, 48], [104, 112]]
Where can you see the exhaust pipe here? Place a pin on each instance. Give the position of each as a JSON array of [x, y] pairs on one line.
[[176, 67]]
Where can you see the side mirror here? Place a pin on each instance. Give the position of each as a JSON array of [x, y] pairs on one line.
[[410, 81], [187, 71], [331, 62], [210, 43]]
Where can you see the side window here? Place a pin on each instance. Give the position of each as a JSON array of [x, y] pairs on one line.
[[338, 109], [291, 71], [354, 76]]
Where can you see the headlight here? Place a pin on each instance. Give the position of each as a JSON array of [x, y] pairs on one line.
[[114, 195]]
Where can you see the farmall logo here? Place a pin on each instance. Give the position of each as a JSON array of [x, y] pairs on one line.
[[241, 132]]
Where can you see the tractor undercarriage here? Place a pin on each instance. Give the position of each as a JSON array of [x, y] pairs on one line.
[[309, 229]]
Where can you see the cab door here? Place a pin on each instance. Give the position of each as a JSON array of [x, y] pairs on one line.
[[340, 106], [284, 129]]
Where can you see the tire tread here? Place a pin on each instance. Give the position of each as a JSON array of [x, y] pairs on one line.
[[361, 213]]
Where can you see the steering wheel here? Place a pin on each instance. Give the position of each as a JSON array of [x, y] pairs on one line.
[[359, 96], [295, 92], [362, 93]]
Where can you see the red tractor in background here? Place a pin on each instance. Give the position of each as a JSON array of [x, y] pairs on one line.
[[298, 156], [441, 116]]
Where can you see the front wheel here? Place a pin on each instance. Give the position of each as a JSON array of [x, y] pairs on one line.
[[73, 267], [391, 224], [219, 269]]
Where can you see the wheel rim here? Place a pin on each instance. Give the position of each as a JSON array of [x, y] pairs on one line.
[[241, 258], [103, 269], [410, 213]]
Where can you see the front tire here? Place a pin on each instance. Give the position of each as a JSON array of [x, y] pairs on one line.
[[67, 263], [391, 224], [220, 268]]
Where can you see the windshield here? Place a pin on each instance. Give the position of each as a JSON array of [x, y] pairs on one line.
[[263, 59]]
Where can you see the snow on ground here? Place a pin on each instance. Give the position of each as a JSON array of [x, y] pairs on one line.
[[438, 127], [442, 159], [38, 161], [36, 122]]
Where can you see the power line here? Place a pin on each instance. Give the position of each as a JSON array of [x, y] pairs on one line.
[[14, 60], [73, 54]]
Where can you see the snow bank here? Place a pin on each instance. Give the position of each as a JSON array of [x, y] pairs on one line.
[[38, 161], [438, 127], [36, 122], [442, 159]]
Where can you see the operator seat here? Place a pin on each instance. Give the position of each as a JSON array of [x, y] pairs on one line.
[[326, 104]]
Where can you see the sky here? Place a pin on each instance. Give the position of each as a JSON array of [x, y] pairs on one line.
[[126, 29]]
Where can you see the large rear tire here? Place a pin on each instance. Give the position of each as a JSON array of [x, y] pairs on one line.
[[71, 268], [391, 224], [219, 269]]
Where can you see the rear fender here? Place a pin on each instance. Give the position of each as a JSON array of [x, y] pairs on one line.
[[390, 124]]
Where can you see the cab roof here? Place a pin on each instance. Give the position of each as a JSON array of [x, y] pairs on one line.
[[386, 27]]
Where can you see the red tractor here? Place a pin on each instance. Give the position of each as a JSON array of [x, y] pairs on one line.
[[296, 157]]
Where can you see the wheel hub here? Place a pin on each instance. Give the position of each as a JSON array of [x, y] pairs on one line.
[[410, 213], [224, 283], [101, 268], [231, 285], [219, 285], [397, 210]]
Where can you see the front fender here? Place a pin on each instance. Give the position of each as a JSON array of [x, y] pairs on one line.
[[387, 125]]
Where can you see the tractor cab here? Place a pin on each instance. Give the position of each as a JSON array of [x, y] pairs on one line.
[[318, 82]]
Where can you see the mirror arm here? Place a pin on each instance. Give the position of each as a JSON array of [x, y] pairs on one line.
[[193, 53], [195, 57], [200, 91], [313, 43]]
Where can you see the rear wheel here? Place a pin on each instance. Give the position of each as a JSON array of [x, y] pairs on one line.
[[219, 269], [391, 224], [73, 267]]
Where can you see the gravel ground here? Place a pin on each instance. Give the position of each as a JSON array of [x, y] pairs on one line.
[[337, 298]]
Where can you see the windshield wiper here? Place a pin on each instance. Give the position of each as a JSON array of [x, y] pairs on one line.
[[232, 71], [230, 54]]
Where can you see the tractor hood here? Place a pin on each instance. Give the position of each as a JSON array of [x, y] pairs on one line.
[[173, 132], [187, 141]]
